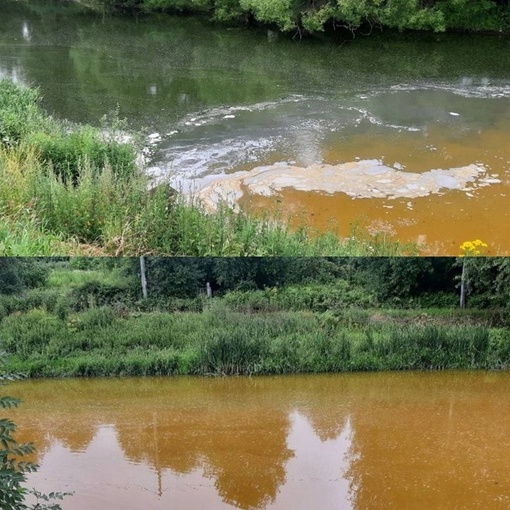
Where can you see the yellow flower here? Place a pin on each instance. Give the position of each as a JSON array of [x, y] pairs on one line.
[[472, 248]]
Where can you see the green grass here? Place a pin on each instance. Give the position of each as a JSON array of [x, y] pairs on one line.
[[91, 323], [73, 278], [112, 341], [75, 190], [21, 236]]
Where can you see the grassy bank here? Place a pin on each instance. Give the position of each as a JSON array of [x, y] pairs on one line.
[[77, 326], [110, 342], [68, 189]]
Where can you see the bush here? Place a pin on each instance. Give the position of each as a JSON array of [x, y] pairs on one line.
[[69, 153], [19, 113], [96, 318], [45, 299], [312, 297], [499, 347], [438, 300], [96, 293]]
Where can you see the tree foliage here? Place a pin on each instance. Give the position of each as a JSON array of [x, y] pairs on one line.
[[18, 274], [484, 273], [392, 280], [398, 281], [318, 15]]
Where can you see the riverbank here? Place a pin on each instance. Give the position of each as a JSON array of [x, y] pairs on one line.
[[219, 341], [72, 189], [93, 323], [408, 103], [302, 18]]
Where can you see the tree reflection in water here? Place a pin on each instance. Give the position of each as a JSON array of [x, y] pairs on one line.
[[337, 441]]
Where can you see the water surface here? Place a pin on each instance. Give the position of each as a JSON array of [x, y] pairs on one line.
[[349, 441], [227, 100]]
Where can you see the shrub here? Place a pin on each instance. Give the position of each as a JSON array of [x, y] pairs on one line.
[[312, 297], [499, 347], [69, 153], [96, 293], [96, 318], [19, 112]]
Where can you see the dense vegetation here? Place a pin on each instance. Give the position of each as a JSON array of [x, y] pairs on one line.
[[85, 317], [312, 16], [67, 189]]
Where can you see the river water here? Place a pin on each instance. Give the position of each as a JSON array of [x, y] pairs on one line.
[[403, 134], [344, 441]]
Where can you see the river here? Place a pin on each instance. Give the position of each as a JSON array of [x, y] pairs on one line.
[[343, 441], [401, 134]]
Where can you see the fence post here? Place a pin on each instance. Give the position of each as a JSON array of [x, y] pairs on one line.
[[143, 277]]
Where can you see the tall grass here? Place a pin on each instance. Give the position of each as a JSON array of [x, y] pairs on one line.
[[22, 236], [74, 190], [20, 114], [110, 340], [118, 215]]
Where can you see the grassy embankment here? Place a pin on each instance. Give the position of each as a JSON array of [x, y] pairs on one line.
[[92, 324], [76, 190]]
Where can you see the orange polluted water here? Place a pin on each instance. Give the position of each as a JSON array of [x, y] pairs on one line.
[[348, 441], [441, 220]]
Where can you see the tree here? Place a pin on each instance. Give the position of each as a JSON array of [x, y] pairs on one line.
[[177, 277], [10, 281], [487, 280], [311, 16], [18, 274]]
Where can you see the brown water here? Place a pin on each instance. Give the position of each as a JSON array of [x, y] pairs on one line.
[[440, 221], [355, 441]]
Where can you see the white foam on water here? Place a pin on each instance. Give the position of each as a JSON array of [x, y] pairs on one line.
[[192, 161], [373, 119], [216, 115], [379, 122], [191, 149], [465, 89], [357, 179]]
